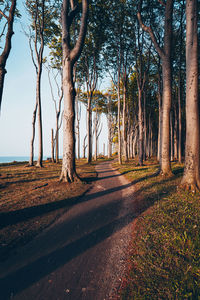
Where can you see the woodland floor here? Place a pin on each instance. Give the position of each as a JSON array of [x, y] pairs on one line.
[[32, 198], [148, 219]]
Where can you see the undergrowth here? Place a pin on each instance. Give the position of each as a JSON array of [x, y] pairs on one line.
[[165, 249]]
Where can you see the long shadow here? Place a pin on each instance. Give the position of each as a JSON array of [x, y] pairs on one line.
[[14, 217], [33, 272], [28, 180], [113, 176]]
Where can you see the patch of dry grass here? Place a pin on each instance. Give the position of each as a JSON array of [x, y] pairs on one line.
[[32, 198]]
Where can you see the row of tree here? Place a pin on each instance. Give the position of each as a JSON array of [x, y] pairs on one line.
[[142, 45]]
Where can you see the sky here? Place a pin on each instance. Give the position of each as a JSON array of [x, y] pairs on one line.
[[19, 100]]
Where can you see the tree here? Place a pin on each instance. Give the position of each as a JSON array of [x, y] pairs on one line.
[[43, 15], [165, 53], [191, 178], [90, 65], [8, 14], [70, 56], [57, 105]]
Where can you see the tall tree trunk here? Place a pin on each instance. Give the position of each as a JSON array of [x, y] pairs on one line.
[[140, 123], [191, 178], [70, 56], [160, 120], [145, 127], [166, 106], [149, 138], [109, 118], [68, 166], [175, 134], [39, 114], [119, 119], [125, 129], [135, 141], [171, 137], [180, 87], [165, 55], [52, 146], [179, 119], [33, 137], [57, 138], [95, 136], [84, 146], [89, 131], [6, 50], [78, 129]]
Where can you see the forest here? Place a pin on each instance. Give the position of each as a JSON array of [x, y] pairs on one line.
[[147, 52], [150, 55]]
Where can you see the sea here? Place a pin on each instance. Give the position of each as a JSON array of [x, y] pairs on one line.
[[9, 159]]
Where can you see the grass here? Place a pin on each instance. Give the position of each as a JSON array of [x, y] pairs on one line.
[[164, 258], [33, 198]]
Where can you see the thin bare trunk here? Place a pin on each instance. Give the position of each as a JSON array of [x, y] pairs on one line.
[[33, 137], [89, 131], [119, 129], [125, 129], [171, 137], [140, 123], [175, 135], [84, 146], [39, 115], [109, 118], [52, 146]]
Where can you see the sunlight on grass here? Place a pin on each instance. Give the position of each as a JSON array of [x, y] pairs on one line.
[[164, 257]]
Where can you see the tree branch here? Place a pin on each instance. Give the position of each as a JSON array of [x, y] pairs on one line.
[[162, 3], [2, 13], [75, 53], [149, 30]]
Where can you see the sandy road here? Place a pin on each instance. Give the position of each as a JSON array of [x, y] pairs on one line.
[[82, 255]]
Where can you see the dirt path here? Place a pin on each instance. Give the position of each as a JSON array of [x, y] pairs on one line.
[[82, 255]]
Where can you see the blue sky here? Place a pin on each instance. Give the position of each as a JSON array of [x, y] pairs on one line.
[[19, 100]]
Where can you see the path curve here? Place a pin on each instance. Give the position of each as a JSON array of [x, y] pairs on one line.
[[82, 255]]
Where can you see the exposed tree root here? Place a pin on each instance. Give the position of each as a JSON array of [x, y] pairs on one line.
[[190, 187], [69, 177]]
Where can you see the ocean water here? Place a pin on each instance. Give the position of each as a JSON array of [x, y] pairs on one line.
[[9, 159]]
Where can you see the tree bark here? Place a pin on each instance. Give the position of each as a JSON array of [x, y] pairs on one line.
[[68, 166], [140, 123], [52, 146], [39, 115], [175, 134], [89, 130], [33, 136], [165, 55], [6, 51], [119, 120], [109, 119], [70, 56], [191, 178], [125, 129], [171, 137]]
